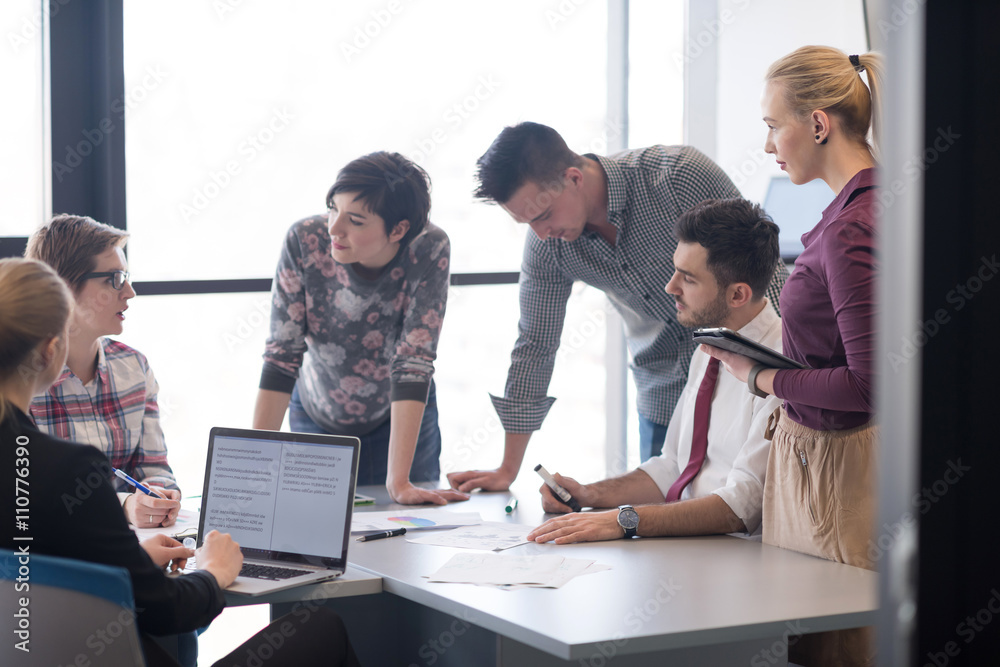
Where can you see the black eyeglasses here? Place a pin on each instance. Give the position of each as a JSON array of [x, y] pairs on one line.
[[118, 278]]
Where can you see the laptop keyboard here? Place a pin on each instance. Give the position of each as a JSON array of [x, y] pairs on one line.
[[269, 572]]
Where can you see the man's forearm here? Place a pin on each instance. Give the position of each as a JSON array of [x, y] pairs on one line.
[[709, 515], [514, 446], [633, 488]]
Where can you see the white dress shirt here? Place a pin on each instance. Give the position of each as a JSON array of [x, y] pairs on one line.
[[736, 460]]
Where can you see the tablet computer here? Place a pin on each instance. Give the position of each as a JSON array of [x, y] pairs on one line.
[[727, 339]]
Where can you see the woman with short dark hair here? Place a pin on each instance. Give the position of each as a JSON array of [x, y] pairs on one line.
[[357, 306]]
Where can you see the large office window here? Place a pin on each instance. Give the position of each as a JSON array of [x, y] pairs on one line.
[[656, 72], [238, 130], [22, 115]]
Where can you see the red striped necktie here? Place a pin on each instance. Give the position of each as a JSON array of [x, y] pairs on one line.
[[699, 442]]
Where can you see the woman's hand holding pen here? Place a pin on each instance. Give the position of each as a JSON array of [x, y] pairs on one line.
[[149, 512]]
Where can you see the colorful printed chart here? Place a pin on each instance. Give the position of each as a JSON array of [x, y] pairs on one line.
[[413, 521], [416, 519]]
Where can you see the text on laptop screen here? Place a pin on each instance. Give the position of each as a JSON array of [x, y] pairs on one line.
[[263, 493]]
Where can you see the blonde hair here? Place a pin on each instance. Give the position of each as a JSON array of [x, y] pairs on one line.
[[71, 243], [34, 306], [825, 78]]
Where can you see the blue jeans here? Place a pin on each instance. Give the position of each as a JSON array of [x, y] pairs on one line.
[[651, 437], [375, 445]]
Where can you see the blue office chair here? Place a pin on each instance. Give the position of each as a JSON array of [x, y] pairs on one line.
[[65, 609]]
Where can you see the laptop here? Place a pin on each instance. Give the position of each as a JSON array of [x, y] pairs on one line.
[[287, 498]]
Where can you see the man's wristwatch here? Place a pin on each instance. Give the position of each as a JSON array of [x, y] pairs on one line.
[[752, 381], [628, 519]]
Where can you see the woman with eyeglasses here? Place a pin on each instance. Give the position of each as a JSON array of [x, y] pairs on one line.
[[106, 393], [35, 336]]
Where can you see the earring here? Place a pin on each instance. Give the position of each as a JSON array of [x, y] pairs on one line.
[[817, 137]]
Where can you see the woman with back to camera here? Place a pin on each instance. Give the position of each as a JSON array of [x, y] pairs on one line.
[[35, 306], [819, 494], [356, 312]]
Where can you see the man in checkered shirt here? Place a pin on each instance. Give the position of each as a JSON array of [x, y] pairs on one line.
[[608, 222]]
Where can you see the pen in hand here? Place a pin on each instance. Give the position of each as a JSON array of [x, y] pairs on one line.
[[139, 486], [561, 493], [384, 534]]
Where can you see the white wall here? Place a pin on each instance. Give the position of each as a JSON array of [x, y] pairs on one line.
[[752, 35]]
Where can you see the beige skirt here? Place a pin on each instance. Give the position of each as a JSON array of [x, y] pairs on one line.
[[819, 498], [819, 493]]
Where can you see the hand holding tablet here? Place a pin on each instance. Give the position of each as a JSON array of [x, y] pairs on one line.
[[727, 339]]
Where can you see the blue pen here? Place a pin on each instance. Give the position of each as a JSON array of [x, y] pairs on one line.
[[138, 485]]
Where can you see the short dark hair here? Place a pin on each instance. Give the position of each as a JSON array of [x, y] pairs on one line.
[[741, 240], [523, 153], [391, 186]]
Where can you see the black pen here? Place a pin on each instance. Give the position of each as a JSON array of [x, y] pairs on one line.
[[381, 536]]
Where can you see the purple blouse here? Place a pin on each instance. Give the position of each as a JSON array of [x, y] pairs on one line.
[[827, 309]]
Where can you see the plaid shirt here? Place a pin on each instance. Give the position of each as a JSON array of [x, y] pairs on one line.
[[648, 189], [116, 413]]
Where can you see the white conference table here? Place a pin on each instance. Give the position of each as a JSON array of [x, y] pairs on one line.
[[695, 601]]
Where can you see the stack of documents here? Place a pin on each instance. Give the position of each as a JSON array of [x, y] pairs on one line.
[[511, 572]]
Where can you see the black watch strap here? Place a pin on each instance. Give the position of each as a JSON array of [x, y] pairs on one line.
[[752, 381]]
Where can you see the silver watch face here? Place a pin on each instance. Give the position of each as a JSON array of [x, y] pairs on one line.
[[628, 518]]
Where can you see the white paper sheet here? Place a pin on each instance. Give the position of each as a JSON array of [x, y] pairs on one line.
[[412, 519], [489, 536], [568, 569], [486, 568], [187, 520]]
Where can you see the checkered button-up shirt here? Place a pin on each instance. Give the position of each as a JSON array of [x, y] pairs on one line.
[[116, 412], [648, 189]]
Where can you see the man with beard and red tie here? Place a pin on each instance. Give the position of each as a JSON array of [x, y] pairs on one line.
[[710, 476]]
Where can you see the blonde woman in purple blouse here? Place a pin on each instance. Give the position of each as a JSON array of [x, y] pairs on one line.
[[819, 494], [357, 306]]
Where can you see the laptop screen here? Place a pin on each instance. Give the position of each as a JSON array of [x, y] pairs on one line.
[[795, 209], [282, 496]]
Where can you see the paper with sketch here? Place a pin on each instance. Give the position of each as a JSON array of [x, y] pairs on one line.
[[412, 519], [489, 535], [187, 521], [480, 568]]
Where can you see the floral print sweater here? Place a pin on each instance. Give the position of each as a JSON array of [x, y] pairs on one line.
[[354, 345]]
